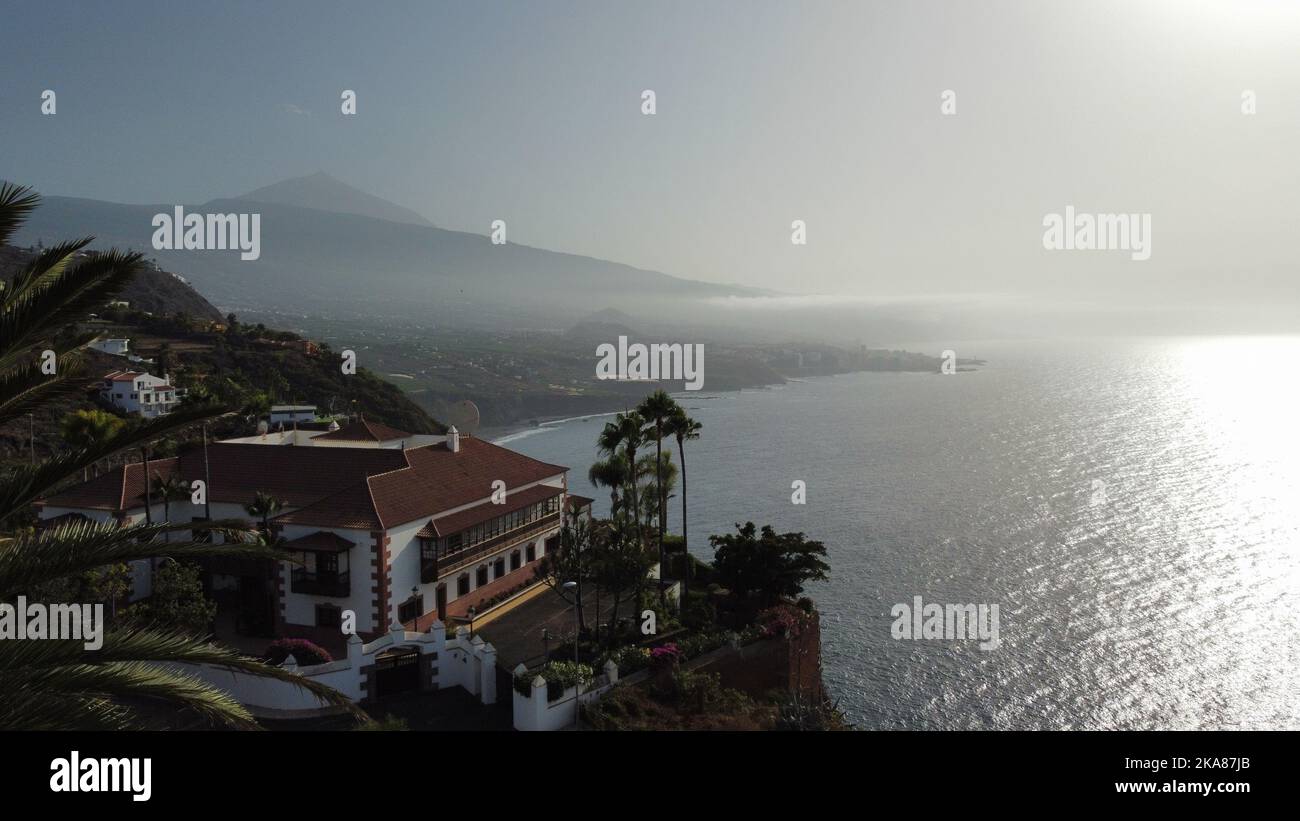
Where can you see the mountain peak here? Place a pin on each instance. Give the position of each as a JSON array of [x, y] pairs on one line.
[[324, 192]]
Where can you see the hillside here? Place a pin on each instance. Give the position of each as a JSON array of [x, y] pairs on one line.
[[153, 289], [319, 260]]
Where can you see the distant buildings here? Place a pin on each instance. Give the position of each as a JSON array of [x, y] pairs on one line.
[[140, 393]]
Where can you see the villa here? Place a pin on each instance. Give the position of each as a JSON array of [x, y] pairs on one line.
[[141, 393], [392, 526]]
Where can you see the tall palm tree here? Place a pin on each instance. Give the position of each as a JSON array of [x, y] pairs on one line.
[[263, 507], [659, 480], [171, 488], [625, 433], [612, 473], [655, 408], [682, 427], [58, 684], [87, 428]]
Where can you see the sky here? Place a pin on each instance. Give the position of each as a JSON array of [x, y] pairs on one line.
[[766, 113]]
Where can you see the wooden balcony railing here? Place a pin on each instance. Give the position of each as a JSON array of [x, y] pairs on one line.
[[452, 562], [320, 584]]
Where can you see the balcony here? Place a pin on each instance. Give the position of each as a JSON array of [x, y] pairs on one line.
[[452, 562], [313, 583]]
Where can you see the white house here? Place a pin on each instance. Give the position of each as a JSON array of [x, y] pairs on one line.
[[116, 347], [139, 392]]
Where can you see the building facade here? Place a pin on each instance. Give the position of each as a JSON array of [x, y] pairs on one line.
[[380, 533]]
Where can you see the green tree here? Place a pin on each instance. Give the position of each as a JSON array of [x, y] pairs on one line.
[[767, 566], [620, 563], [177, 602], [625, 434], [59, 684], [655, 409], [569, 562], [263, 507], [170, 488], [658, 482], [612, 473], [682, 427], [89, 429]]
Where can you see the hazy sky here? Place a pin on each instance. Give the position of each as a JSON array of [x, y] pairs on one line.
[[767, 112]]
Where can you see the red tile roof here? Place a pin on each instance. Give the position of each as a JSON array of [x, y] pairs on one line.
[[456, 522], [365, 431], [320, 542], [357, 488]]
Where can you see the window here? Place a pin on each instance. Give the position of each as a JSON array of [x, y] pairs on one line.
[[498, 568], [411, 609], [428, 561], [514, 560], [481, 577], [531, 552], [454, 542], [462, 585], [551, 545], [328, 615]]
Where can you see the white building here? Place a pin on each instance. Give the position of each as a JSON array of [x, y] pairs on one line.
[[116, 347], [137, 392], [390, 533], [287, 415]]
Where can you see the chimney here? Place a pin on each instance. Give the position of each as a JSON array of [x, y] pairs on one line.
[[453, 439]]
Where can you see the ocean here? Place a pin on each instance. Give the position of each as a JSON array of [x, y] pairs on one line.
[[1131, 506]]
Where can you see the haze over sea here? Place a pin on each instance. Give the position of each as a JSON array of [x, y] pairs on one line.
[[1168, 604]]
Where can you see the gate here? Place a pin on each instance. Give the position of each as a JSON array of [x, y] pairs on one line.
[[397, 672]]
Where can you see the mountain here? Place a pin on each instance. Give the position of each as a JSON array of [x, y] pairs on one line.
[[325, 261], [322, 192]]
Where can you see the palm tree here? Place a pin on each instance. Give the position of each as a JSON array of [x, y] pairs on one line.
[[171, 488], [611, 473], [682, 427], [263, 507], [656, 408], [659, 478], [87, 428], [625, 433], [59, 684]]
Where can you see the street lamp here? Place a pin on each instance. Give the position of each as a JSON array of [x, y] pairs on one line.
[[470, 612], [546, 643]]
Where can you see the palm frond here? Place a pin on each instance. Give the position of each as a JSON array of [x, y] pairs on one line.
[[132, 680], [38, 314], [26, 483], [76, 547], [22, 662], [25, 388], [45, 267], [16, 203]]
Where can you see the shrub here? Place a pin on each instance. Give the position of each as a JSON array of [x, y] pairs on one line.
[[304, 652], [558, 675]]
